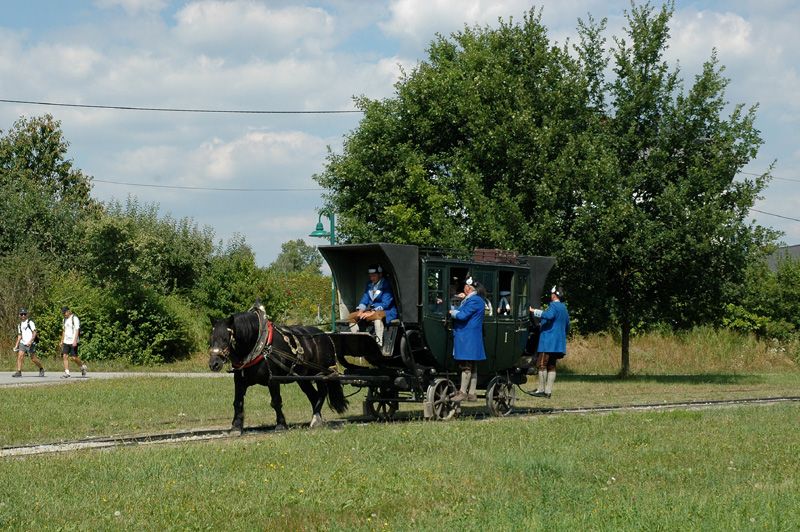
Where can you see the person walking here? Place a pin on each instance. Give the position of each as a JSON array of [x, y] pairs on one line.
[[69, 341], [26, 343], [552, 340], [468, 339]]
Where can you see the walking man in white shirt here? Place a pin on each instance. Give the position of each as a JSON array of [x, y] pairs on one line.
[[69, 341], [26, 343]]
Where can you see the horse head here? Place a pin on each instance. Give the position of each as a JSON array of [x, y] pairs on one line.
[[222, 343]]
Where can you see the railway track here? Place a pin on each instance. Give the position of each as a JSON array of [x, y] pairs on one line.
[[207, 434]]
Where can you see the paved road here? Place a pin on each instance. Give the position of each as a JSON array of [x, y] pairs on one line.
[[31, 377]]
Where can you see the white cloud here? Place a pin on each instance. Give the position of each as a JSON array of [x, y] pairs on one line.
[[252, 29], [283, 159], [65, 61], [694, 34], [419, 20], [416, 22]]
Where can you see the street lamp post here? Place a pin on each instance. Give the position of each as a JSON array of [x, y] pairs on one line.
[[320, 232]]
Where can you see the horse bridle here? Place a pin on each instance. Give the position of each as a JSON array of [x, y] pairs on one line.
[[263, 343], [225, 353]]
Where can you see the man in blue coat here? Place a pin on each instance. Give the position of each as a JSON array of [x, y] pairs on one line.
[[552, 340], [468, 339], [376, 305]]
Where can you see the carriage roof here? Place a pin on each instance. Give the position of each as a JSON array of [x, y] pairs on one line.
[[349, 263], [401, 262]]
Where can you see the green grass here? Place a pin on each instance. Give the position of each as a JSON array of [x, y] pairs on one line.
[[730, 469], [45, 414]]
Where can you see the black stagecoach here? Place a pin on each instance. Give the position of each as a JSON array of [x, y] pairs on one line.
[[414, 363]]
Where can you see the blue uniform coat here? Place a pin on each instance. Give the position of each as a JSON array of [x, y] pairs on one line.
[[379, 297], [468, 329], [555, 324]]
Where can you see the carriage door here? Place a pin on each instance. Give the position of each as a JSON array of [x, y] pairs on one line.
[[521, 314], [489, 281], [506, 352], [434, 313]]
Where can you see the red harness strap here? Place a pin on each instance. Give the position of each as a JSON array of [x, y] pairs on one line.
[[260, 356]]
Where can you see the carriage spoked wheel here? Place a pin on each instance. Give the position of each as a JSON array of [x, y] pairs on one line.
[[438, 396], [376, 405], [500, 396]]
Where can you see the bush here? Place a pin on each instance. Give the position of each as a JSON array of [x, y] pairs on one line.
[[24, 282], [305, 297], [737, 318], [141, 327]]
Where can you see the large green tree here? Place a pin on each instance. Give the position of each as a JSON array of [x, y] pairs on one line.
[[44, 197], [501, 139], [662, 233], [458, 157]]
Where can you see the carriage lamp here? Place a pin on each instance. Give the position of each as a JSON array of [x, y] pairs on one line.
[[320, 232]]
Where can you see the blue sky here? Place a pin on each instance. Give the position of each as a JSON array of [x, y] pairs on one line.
[[273, 55]]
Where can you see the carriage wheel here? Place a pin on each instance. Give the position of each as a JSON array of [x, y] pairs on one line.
[[438, 397], [500, 396], [381, 410]]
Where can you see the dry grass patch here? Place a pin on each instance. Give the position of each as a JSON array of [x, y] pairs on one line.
[[702, 350]]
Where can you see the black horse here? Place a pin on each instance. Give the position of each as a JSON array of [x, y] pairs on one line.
[[258, 350]]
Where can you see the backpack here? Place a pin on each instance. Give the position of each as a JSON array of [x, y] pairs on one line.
[[35, 332]]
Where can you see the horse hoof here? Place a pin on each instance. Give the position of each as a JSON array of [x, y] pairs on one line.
[[281, 427], [235, 432], [316, 421]]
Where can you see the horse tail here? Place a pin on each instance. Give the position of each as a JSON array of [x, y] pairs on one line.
[[336, 399]]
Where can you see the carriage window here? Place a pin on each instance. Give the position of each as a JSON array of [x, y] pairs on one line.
[[435, 285], [487, 279], [456, 285], [505, 301], [522, 297]]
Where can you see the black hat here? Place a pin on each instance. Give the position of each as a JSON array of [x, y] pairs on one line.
[[64, 309], [558, 291], [23, 310], [374, 268]]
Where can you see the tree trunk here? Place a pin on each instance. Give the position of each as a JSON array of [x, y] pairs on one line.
[[625, 324]]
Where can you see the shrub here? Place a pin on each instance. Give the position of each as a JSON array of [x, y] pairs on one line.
[[140, 326]]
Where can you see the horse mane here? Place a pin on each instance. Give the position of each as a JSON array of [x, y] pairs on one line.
[[245, 326]]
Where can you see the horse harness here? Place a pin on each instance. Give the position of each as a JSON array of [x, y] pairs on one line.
[[265, 350]]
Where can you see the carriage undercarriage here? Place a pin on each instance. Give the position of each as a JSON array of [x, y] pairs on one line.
[[392, 375], [383, 397]]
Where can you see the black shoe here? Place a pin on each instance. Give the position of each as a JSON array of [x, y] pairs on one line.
[[17, 374], [537, 393]]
